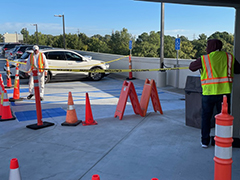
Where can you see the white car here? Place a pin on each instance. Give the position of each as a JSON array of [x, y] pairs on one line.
[[64, 59]]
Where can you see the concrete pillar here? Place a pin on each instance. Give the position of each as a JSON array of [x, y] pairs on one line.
[[236, 83], [161, 78]]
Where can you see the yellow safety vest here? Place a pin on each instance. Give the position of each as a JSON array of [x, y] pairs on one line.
[[40, 62], [217, 73]]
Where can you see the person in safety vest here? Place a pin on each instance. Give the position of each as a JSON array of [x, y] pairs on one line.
[[36, 60], [217, 69]]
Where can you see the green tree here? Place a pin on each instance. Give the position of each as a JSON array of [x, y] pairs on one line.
[[187, 50], [25, 34], [147, 45], [119, 42], [226, 38], [200, 45], [1, 38], [97, 45], [169, 47]]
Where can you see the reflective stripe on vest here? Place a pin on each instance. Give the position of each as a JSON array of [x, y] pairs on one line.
[[217, 69], [40, 62]]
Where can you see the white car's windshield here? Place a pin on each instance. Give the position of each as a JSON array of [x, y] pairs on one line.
[[25, 55]]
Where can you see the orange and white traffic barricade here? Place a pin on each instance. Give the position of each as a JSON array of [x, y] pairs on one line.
[[40, 124], [223, 143], [9, 80]]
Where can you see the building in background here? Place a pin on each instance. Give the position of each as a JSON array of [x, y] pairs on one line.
[[12, 38]]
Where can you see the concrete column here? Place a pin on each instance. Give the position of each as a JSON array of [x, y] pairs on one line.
[[161, 78], [236, 83]]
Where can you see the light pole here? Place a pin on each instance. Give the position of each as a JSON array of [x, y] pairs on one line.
[[64, 43], [36, 31], [162, 37]]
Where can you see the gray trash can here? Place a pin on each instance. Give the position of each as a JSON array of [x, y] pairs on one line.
[[193, 103]]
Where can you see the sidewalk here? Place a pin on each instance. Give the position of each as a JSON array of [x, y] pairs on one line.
[[134, 148]]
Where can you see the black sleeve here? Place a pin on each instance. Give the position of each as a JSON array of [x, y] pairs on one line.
[[195, 65]]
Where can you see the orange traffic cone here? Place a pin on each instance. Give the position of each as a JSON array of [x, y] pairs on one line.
[[9, 80], [1, 93], [14, 170], [71, 118], [1, 80], [16, 93], [95, 177], [88, 114], [6, 110]]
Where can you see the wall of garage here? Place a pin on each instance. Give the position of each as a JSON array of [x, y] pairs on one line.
[[147, 63]]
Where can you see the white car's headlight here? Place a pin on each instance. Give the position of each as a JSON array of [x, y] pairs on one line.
[[107, 65]]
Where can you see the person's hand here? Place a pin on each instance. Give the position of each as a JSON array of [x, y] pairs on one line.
[[45, 73]]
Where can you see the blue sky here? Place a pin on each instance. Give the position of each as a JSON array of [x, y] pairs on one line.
[[104, 16]]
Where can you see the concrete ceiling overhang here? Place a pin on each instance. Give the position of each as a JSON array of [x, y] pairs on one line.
[[225, 3]]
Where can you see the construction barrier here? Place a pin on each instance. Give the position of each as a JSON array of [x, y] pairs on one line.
[[128, 89], [9, 80], [223, 144], [40, 124], [88, 114], [150, 90], [14, 170], [16, 90], [71, 117]]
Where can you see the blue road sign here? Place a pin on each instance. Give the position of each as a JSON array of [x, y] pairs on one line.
[[130, 44], [177, 43]]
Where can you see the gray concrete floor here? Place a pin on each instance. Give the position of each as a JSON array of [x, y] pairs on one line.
[[133, 148]]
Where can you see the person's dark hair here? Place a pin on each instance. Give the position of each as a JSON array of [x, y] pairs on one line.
[[213, 45]]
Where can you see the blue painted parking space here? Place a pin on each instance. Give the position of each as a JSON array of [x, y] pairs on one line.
[[22, 90], [46, 113]]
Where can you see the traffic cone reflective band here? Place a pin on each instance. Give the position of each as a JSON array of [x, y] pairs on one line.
[[95, 177], [14, 170], [6, 110], [88, 114], [71, 118], [223, 144], [16, 92], [9, 81]]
